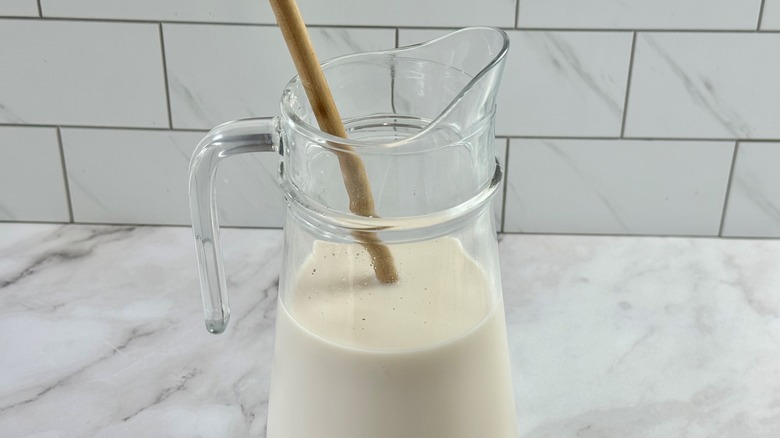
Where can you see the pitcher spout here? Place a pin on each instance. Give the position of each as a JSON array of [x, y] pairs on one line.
[[412, 115], [476, 54], [445, 84]]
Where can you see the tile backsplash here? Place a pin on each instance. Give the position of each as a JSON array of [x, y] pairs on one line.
[[771, 15], [32, 184], [82, 73], [705, 85], [614, 116], [640, 14], [617, 186], [19, 8], [218, 73]]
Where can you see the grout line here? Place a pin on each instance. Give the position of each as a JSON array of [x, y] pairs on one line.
[[32, 222], [628, 85], [354, 26], [559, 137], [510, 233], [517, 13], [123, 128], [65, 175], [120, 224], [621, 30], [165, 77], [682, 139], [760, 15], [397, 36], [506, 184], [40, 10], [206, 23], [728, 189], [661, 236], [522, 137]]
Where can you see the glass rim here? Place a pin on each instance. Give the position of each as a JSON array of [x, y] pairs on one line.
[[333, 142], [326, 218]]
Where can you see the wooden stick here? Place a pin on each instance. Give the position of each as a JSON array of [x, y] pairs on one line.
[[353, 172]]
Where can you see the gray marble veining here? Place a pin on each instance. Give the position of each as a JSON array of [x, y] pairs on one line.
[[9, 115], [564, 84], [616, 186], [610, 336], [588, 181], [704, 85], [245, 69], [702, 91], [623, 14], [91, 322], [564, 58], [199, 111], [139, 176]]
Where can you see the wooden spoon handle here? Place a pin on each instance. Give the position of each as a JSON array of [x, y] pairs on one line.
[[353, 172]]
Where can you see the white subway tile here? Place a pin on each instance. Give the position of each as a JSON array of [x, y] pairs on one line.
[[131, 176], [18, 8], [413, 36], [234, 11], [340, 12], [771, 17], [219, 73], [32, 186], [617, 186], [564, 84], [754, 200], [452, 13], [705, 85], [248, 191], [656, 14], [558, 83], [81, 73]]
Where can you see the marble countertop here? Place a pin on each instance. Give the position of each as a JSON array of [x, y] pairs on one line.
[[102, 335]]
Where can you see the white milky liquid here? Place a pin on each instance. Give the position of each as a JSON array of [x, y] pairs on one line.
[[424, 358]]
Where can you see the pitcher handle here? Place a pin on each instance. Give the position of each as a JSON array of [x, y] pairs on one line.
[[228, 139]]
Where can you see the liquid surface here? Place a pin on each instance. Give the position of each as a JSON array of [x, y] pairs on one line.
[[441, 293], [426, 357]]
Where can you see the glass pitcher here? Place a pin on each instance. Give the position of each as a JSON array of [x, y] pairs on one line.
[[425, 356]]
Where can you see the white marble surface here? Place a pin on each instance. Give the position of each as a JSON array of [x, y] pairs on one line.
[[639, 14], [705, 85], [18, 8], [617, 186], [558, 83], [220, 73], [336, 12], [32, 186], [81, 73], [754, 200], [611, 337], [137, 176]]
